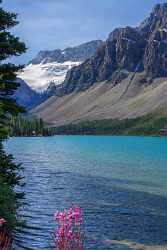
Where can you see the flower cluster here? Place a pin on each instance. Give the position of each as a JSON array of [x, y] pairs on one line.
[[5, 241], [69, 234]]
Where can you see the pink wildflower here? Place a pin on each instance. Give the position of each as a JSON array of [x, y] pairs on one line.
[[69, 234]]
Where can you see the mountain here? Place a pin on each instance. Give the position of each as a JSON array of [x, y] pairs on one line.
[[26, 97], [40, 76], [74, 54], [126, 50], [125, 78], [50, 67]]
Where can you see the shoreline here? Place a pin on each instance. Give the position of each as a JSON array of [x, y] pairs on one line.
[[93, 135]]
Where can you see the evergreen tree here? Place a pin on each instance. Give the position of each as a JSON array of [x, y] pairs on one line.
[[10, 45], [23, 126]]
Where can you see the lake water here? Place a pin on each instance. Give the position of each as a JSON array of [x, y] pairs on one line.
[[121, 183]]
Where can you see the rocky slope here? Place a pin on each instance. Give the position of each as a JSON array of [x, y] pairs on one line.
[[125, 78], [104, 101], [50, 67]]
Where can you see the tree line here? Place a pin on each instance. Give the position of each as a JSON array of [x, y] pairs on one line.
[[21, 126]]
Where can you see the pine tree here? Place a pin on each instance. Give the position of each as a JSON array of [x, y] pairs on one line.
[[10, 45]]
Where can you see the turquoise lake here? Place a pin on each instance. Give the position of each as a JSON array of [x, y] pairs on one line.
[[121, 183]]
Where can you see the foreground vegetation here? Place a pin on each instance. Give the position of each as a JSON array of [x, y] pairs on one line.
[[10, 176], [146, 125], [69, 233]]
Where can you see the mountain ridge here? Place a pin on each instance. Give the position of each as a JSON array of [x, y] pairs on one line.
[[125, 78], [132, 49], [75, 53], [50, 67]]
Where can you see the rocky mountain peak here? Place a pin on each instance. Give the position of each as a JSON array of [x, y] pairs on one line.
[[160, 7], [114, 34], [74, 54], [156, 20], [128, 49]]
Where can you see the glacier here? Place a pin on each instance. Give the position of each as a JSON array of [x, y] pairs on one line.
[[40, 76]]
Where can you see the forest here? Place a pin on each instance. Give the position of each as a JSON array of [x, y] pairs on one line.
[[152, 125], [21, 126]]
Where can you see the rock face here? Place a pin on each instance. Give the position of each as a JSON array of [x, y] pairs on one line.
[[74, 54], [123, 50], [155, 30], [155, 57], [143, 48]]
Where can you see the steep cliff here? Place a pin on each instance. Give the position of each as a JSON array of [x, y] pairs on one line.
[[126, 50]]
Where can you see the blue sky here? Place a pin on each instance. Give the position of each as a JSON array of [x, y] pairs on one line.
[[51, 24]]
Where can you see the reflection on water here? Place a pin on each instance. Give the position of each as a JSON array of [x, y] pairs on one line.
[[119, 181]]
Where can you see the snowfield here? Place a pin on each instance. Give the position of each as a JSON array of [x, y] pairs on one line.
[[39, 76]]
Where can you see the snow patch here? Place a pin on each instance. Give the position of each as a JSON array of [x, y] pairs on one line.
[[156, 41], [39, 76], [63, 52], [163, 29]]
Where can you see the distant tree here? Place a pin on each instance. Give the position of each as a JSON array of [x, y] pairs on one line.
[[21, 126]]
